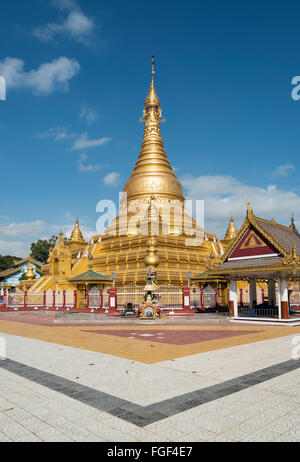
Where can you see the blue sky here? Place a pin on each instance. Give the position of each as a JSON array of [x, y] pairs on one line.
[[77, 74]]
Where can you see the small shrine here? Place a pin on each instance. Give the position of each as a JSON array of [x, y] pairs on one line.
[[149, 309]]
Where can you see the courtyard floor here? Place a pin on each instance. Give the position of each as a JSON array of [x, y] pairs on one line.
[[202, 379]]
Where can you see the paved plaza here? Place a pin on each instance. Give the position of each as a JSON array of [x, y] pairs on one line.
[[205, 379]]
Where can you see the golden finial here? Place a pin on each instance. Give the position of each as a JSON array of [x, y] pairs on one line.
[[152, 100], [153, 65], [153, 167], [152, 259], [30, 273], [61, 240], [292, 226], [249, 209]]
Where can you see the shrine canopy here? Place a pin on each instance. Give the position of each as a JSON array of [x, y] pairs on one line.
[[90, 276], [262, 249]]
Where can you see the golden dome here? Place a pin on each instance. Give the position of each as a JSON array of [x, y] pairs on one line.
[[153, 174], [231, 231], [76, 233]]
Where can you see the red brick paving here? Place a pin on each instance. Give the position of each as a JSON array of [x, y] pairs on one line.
[[174, 337]]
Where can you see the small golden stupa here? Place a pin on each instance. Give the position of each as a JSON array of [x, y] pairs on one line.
[[231, 230], [30, 275], [76, 235]]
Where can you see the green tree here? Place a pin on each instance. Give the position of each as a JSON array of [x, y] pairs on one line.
[[41, 248], [7, 261]]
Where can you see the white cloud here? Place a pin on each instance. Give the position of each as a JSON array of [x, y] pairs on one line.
[[57, 133], [88, 113], [283, 170], [16, 238], [224, 195], [44, 80], [84, 142], [76, 25], [83, 167], [15, 248], [22, 229], [112, 179]]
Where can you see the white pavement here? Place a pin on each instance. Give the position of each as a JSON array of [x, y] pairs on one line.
[[269, 411]]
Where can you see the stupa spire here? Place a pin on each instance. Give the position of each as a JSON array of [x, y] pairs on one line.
[[153, 174], [76, 233]]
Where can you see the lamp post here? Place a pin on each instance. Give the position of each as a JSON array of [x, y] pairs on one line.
[[189, 275], [113, 276]]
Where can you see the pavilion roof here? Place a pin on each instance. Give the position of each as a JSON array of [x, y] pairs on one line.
[[28, 259], [251, 263], [90, 275], [284, 240], [286, 236]]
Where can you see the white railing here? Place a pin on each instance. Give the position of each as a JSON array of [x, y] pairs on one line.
[[35, 300], [15, 300], [130, 294], [295, 298], [48, 299], [106, 298], [169, 300], [167, 297]]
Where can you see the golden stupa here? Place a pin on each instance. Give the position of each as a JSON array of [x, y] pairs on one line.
[[138, 237], [122, 248]]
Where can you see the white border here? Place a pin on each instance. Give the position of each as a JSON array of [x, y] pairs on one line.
[[255, 256]]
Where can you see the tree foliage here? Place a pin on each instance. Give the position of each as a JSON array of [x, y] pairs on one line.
[[7, 261], [41, 248]]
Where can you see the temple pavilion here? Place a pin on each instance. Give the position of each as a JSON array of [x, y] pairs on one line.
[[262, 252]]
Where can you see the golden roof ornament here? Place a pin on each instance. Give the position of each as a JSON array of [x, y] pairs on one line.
[[61, 237], [30, 273], [231, 230], [151, 259], [292, 258], [249, 210], [292, 225], [153, 173], [294, 252], [76, 233]]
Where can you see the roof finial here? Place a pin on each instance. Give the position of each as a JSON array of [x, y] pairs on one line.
[[153, 65], [292, 221]]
